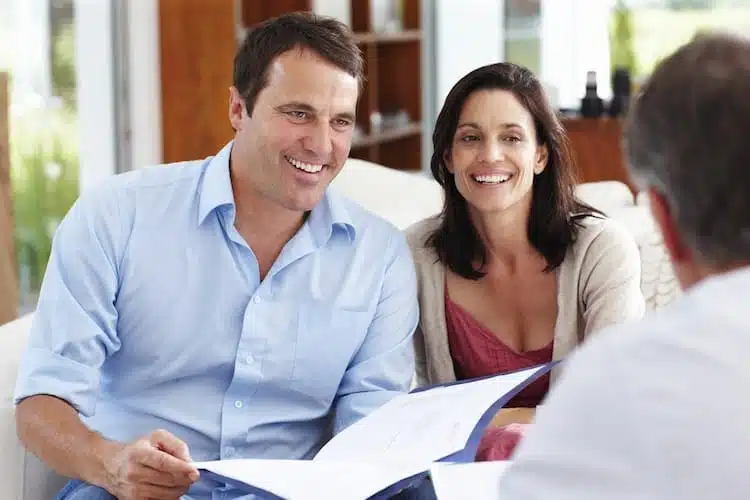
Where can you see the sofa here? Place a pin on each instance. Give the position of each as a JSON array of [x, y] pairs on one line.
[[401, 197]]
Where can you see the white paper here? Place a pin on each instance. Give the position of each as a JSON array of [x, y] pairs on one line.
[[399, 440], [422, 427], [478, 481], [321, 480]]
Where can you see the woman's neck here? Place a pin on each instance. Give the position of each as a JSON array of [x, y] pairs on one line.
[[505, 237]]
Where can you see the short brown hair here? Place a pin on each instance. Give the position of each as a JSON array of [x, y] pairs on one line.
[[329, 38], [687, 137], [555, 215]]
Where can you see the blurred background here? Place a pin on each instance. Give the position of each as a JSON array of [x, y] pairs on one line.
[[91, 88]]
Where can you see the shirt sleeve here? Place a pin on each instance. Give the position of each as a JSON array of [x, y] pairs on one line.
[[611, 280], [384, 365], [74, 326]]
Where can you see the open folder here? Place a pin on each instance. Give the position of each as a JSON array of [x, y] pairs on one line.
[[389, 450]]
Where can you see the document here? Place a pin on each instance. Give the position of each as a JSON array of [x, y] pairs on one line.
[[459, 481], [389, 449]]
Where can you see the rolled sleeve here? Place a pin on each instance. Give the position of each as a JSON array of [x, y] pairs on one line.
[[384, 365], [74, 326]]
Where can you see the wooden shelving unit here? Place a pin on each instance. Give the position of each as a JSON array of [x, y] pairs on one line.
[[393, 81], [198, 40]]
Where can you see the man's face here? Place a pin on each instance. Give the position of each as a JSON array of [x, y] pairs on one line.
[[300, 131]]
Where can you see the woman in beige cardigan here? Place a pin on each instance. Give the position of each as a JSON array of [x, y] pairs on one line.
[[515, 271]]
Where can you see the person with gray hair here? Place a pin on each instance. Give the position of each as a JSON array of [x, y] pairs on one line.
[[658, 409]]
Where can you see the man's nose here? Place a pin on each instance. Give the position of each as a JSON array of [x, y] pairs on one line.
[[319, 141]]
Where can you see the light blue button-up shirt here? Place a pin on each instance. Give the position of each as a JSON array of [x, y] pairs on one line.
[[152, 315]]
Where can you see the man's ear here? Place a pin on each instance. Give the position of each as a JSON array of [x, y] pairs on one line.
[[542, 157], [237, 108], [673, 241]]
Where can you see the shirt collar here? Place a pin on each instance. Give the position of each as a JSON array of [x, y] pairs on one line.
[[216, 191], [216, 188]]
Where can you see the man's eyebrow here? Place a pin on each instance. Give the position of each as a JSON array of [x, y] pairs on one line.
[[297, 105], [346, 115]]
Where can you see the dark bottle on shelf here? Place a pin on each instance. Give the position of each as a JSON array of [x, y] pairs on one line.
[[620, 92], [592, 105]]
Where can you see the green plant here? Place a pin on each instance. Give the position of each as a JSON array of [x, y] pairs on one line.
[[622, 51], [44, 180]]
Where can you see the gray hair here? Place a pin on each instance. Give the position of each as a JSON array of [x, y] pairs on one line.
[[687, 136]]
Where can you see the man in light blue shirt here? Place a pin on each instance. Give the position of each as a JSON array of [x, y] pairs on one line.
[[231, 307]]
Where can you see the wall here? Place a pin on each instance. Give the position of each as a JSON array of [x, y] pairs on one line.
[[95, 91], [144, 90], [459, 36]]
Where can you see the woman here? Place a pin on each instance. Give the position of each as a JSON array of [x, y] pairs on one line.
[[515, 271]]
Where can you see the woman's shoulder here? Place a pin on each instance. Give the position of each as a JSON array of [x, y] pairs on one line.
[[601, 232], [604, 241], [418, 233]]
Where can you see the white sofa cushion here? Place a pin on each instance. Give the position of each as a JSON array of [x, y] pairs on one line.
[[22, 475], [403, 198]]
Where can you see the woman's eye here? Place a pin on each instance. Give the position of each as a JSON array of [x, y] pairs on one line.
[[470, 138], [513, 139]]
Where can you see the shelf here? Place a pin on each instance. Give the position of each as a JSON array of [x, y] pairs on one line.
[[388, 135], [390, 37]]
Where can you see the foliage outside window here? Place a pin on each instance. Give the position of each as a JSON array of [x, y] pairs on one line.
[[43, 151], [643, 32]]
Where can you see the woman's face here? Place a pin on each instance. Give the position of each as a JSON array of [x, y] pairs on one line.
[[494, 154]]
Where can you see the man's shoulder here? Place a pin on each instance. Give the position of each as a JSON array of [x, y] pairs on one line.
[[681, 344], [122, 193], [157, 176]]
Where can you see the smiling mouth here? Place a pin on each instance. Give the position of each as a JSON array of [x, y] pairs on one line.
[[310, 168], [492, 179]]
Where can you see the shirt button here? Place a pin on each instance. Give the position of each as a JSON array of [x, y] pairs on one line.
[[257, 299], [248, 359], [238, 404]]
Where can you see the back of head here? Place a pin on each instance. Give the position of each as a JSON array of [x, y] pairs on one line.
[[329, 38], [687, 138]]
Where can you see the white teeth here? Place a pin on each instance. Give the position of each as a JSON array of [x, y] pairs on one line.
[[307, 167], [491, 179]]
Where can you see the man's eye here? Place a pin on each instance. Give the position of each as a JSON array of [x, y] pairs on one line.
[[300, 115], [342, 122]]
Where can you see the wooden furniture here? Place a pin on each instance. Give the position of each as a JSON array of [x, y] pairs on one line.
[[8, 282], [597, 147], [198, 41], [197, 45]]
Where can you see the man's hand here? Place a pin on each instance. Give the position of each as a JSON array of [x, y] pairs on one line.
[[155, 467]]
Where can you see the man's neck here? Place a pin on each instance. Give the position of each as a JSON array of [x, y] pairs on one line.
[[264, 225]]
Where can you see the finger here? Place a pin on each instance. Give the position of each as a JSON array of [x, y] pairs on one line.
[[145, 474], [164, 462], [173, 445]]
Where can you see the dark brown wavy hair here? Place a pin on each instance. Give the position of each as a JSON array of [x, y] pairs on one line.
[[556, 213]]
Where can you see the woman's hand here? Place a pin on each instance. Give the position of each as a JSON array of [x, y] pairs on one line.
[[499, 443], [513, 416]]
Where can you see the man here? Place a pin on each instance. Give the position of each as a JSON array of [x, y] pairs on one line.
[[222, 308], [659, 409]]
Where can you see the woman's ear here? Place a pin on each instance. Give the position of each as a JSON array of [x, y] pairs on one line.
[[542, 156], [447, 161]]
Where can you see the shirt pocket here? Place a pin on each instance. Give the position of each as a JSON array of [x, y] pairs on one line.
[[328, 339]]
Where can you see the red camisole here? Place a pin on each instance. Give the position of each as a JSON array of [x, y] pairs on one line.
[[477, 352]]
